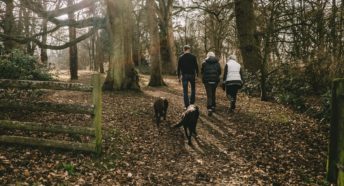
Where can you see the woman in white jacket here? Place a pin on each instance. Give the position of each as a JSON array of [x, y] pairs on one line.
[[232, 80]]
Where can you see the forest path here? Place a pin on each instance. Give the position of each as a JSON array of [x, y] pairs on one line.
[[262, 143]]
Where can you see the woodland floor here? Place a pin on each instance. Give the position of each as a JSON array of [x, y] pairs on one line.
[[262, 143]]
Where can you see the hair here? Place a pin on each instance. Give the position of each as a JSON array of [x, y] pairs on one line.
[[186, 47], [210, 54], [233, 57]]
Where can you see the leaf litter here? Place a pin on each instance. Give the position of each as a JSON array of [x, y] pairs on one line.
[[262, 143]]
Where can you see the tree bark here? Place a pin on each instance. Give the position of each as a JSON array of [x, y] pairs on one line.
[[154, 48], [73, 50], [122, 74], [167, 45], [99, 54], [247, 35], [44, 55]]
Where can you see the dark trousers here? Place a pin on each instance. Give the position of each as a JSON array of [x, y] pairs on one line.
[[232, 91], [210, 88], [186, 79]]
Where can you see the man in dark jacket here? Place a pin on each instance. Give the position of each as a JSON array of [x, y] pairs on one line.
[[187, 70], [211, 72]]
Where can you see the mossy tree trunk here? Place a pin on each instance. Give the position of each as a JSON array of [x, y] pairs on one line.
[[247, 34], [122, 74], [154, 48]]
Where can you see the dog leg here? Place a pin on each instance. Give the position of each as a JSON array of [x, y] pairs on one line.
[[188, 134], [157, 117], [164, 115]]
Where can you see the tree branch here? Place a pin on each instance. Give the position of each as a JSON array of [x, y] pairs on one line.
[[46, 46], [37, 8]]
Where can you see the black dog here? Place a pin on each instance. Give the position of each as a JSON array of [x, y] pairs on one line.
[[189, 121], [160, 109]]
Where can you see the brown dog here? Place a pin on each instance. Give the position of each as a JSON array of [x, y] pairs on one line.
[[160, 109]]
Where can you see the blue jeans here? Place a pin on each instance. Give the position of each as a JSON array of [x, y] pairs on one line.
[[186, 79]]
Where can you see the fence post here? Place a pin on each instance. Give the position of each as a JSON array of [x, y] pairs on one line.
[[335, 172], [97, 102]]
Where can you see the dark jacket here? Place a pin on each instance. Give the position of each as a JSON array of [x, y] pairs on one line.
[[187, 64], [211, 70]]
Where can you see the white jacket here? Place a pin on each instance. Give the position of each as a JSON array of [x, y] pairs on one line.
[[233, 71]]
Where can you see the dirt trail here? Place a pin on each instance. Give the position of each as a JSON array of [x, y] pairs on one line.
[[261, 144]]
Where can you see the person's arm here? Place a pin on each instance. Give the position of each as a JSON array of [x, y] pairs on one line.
[[225, 73], [242, 76], [196, 65], [178, 67], [219, 69], [202, 68]]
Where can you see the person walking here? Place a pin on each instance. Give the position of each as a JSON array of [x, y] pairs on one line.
[[211, 71], [232, 80], [187, 71]]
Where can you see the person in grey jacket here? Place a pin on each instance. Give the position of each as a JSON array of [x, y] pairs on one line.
[[211, 72], [232, 80]]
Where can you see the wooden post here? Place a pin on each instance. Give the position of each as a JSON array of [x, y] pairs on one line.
[[335, 172], [97, 102]]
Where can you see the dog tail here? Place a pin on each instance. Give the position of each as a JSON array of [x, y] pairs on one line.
[[178, 125]]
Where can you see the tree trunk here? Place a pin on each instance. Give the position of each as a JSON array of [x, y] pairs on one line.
[[267, 50], [99, 55], [8, 25], [247, 35], [44, 55], [167, 45], [122, 74], [154, 48], [94, 60], [333, 28], [73, 50], [172, 65]]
